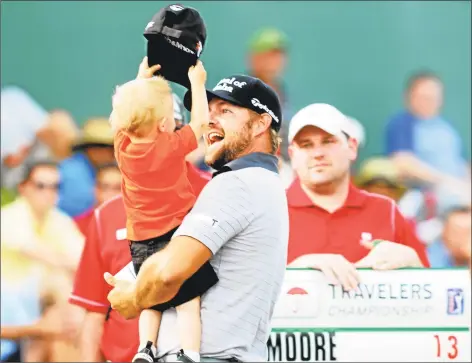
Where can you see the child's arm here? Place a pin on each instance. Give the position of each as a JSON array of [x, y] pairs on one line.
[[199, 115]]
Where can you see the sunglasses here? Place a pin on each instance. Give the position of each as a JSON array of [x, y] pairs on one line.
[[45, 186]]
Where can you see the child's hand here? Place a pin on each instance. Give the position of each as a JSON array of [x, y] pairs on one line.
[[197, 74], [144, 70]]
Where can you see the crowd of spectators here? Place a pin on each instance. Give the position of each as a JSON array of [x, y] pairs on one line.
[[54, 175]]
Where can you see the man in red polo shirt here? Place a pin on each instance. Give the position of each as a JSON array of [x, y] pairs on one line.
[[105, 334], [334, 226]]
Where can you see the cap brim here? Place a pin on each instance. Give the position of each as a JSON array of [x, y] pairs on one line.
[[296, 127], [87, 145], [210, 95]]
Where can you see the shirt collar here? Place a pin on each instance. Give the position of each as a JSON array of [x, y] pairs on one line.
[[298, 198], [252, 160]]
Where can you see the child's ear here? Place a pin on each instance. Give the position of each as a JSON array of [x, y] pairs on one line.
[[163, 124]]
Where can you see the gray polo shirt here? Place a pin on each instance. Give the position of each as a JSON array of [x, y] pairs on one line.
[[242, 217]]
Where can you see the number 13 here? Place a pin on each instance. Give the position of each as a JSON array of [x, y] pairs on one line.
[[452, 354]]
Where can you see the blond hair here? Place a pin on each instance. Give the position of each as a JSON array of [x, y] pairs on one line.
[[274, 137], [140, 104]]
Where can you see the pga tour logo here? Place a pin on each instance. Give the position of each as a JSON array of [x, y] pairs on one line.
[[455, 301]]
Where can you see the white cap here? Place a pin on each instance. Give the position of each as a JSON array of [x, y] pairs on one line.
[[356, 130], [321, 115]]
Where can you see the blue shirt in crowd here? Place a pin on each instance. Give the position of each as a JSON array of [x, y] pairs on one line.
[[77, 194], [439, 256], [433, 141]]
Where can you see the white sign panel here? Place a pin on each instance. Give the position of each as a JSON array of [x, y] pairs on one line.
[[405, 315]]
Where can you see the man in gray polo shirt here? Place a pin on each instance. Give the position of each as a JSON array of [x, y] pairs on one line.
[[239, 223]]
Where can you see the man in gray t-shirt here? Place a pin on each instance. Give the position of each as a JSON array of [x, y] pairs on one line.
[[239, 223]]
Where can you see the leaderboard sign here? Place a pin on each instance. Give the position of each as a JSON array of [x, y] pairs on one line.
[[411, 315]]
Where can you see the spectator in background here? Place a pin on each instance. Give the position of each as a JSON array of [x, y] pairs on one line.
[[379, 176], [425, 147], [40, 247], [332, 223], [267, 58], [108, 185], [78, 172], [105, 334], [453, 249], [30, 133]]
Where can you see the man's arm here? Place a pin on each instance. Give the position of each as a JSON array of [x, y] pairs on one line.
[[411, 167], [167, 270], [91, 336], [21, 332], [90, 292]]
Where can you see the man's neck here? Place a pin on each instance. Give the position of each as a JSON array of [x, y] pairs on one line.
[[329, 197]]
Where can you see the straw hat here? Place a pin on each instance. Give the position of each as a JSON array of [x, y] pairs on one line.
[[379, 170], [96, 132]]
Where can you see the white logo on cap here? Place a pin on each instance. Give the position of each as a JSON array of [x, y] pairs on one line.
[[150, 24], [226, 84], [258, 104], [176, 7], [180, 46]]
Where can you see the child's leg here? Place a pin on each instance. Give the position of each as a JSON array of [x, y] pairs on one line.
[[149, 324], [190, 327]]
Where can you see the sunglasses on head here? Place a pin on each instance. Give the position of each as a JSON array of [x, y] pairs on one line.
[[45, 186]]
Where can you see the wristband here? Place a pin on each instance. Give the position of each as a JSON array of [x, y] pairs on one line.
[[375, 242]]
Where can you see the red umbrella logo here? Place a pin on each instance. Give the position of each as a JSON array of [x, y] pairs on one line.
[[297, 295]]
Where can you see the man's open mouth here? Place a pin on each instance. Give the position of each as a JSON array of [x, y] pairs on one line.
[[214, 137]]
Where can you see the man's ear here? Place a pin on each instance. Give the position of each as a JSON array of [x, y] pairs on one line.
[[290, 151], [261, 124], [353, 146]]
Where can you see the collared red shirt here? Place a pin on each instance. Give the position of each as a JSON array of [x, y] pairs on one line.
[[315, 230], [107, 250], [83, 220]]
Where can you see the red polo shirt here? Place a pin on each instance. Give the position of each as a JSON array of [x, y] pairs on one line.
[[315, 230], [83, 220], [104, 252]]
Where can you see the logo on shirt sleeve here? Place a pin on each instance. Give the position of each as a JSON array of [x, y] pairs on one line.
[[206, 220]]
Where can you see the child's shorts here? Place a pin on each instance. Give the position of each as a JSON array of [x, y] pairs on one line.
[[195, 286]]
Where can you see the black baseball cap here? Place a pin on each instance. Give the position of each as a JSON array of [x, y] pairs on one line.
[[248, 92], [176, 36]]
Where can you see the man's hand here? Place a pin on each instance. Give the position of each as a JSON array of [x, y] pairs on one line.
[[197, 74], [386, 255], [335, 267], [145, 71], [122, 297]]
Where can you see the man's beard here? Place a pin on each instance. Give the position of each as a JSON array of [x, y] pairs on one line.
[[230, 150]]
